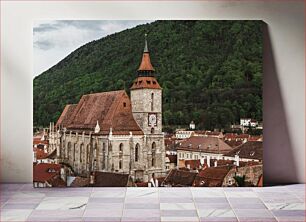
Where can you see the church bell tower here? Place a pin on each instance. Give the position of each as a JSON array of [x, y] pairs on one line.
[[146, 97]]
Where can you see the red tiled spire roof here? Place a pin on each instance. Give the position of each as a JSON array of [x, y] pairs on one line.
[[145, 65], [145, 82]]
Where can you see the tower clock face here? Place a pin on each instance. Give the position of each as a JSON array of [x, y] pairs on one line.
[[152, 119]]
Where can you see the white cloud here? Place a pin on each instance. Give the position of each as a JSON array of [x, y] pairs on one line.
[[54, 40]]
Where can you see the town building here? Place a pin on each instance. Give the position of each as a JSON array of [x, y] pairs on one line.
[[248, 122], [197, 147], [192, 125], [249, 151], [112, 132], [183, 134]]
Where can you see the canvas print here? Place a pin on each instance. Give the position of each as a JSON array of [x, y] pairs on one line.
[[147, 103]]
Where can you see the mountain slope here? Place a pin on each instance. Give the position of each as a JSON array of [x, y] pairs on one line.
[[210, 71]]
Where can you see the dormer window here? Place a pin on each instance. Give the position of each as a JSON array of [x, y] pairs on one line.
[[154, 82], [148, 82], [140, 82], [51, 170]]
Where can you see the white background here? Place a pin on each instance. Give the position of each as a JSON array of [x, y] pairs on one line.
[[284, 72]]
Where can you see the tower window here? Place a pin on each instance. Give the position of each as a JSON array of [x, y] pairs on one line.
[[153, 154], [152, 130], [136, 152], [120, 164], [152, 101], [124, 104], [120, 148]]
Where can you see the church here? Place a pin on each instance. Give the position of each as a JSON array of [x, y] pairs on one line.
[[112, 132]]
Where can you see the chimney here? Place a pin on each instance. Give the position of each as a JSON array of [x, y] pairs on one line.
[[208, 161]]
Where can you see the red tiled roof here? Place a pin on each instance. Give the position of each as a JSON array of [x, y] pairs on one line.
[[57, 181], [43, 172], [67, 112], [142, 184], [37, 141], [211, 176], [243, 136], [249, 150], [107, 179], [205, 144], [194, 164], [145, 64], [111, 110], [255, 138], [180, 178], [213, 133], [172, 158], [145, 82], [224, 162], [260, 181], [230, 135], [80, 182], [233, 143], [40, 154]]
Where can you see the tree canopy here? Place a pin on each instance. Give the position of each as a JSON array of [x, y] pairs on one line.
[[210, 71]]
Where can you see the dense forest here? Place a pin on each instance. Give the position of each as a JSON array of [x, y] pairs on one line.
[[210, 71]]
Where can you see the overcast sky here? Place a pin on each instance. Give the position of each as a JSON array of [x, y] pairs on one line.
[[54, 40]]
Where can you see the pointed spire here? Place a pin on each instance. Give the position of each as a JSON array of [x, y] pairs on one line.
[[146, 68], [97, 128], [146, 44]]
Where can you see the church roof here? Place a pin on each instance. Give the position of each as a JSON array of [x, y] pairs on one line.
[[111, 110], [145, 82], [67, 112]]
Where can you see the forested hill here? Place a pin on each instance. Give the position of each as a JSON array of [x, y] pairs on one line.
[[210, 71]]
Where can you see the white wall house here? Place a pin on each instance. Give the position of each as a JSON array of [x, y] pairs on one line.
[[183, 134]]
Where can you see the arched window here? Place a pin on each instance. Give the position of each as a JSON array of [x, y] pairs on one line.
[[152, 101], [68, 153], [74, 150], [121, 148], [153, 154], [81, 152], [87, 153], [152, 130], [87, 156], [96, 150], [137, 147], [120, 164], [103, 154]]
